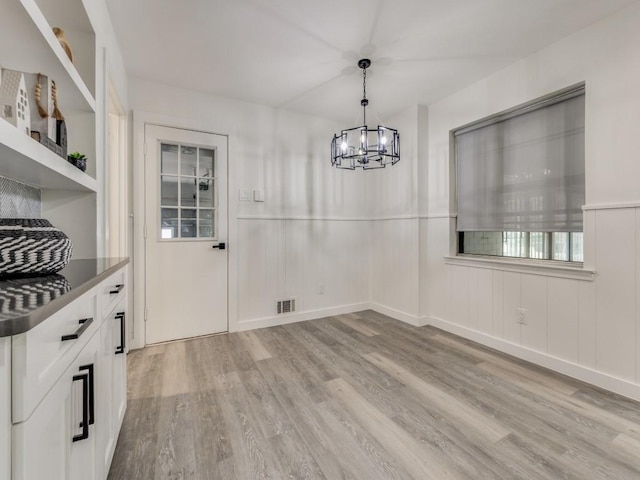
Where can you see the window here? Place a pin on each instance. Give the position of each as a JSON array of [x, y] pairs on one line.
[[520, 180], [187, 191]]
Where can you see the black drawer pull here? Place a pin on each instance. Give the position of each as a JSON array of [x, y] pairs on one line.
[[92, 393], [84, 378], [120, 348], [117, 289], [84, 324]]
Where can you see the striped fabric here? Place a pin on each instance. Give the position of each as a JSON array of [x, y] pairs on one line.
[[32, 247]]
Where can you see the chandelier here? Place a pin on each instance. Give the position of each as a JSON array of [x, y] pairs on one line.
[[364, 147]]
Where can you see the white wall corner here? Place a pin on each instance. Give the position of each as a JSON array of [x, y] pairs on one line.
[[415, 320]]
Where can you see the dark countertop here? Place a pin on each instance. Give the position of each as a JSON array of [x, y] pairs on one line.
[[26, 302]]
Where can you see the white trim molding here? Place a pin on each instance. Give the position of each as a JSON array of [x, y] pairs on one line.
[[287, 318], [546, 268], [611, 206], [438, 216], [303, 217], [405, 317], [613, 384]]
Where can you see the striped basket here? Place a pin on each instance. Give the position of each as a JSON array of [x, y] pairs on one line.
[[32, 247]]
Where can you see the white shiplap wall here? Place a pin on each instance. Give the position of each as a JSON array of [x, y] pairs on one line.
[[586, 328]]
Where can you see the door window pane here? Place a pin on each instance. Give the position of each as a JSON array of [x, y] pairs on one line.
[[188, 161], [206, 193], [169, 191], [169, 223], [169, 159], [206, 165], [188, 192], [206, 224], [188, 228]]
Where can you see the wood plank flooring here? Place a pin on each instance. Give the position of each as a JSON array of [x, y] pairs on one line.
[[363, 396]]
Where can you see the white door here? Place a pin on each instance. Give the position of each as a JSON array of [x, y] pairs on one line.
[[186, 231]]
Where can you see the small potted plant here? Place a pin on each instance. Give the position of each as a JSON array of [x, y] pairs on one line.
[[79, 160]]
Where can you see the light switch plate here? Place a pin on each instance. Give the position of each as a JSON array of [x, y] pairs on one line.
[[258, 196], [245, 195]]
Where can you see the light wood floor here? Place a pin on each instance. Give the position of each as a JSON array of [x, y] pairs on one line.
[[362, 396]]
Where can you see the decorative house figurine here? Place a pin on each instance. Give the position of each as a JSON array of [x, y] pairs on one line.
[[40, 88], [14, 100]]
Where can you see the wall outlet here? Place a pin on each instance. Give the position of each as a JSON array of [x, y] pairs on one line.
[[245, 195], [522, 316], [321, 289]]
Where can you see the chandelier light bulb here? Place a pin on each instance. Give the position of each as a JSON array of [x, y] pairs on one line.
[[383, 140], [344, 146]]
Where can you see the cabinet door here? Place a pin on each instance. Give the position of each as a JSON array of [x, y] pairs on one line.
[[43, 445], [113, 387], [119, 373]]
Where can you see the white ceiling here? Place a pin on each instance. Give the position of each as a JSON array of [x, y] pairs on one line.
[[302, 54]]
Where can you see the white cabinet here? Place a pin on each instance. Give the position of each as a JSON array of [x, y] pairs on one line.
[[69, 396]]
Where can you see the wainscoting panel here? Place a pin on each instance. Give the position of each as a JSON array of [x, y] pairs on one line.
[[533, 292], [563, 318], [395, 264], [616, 292], [322, 264], [592, 324]]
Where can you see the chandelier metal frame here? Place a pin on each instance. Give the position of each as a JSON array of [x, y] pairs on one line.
[[364, 147]]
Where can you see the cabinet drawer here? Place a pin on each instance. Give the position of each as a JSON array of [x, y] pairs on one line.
[[41, 355], [112, 290]]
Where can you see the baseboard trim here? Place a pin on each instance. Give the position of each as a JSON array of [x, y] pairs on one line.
[[300, 316], [599, 379], [405, 317]]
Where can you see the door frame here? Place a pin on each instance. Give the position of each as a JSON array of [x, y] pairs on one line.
[[140, 120]]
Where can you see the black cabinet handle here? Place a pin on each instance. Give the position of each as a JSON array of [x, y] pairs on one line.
[[117, 289], [84, 378], [84, 324], [120, 348], [92, 393], [220, 245]]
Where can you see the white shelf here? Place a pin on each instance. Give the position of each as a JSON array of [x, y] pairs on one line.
[[25, 160], [32, 47]]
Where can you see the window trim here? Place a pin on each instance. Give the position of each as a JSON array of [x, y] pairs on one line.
[[547, 268]]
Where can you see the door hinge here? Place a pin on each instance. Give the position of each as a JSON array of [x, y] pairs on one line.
[[146, 314], [145, 231], [145, 149]]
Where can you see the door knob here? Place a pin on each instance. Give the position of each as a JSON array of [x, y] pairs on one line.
[[220, 245]]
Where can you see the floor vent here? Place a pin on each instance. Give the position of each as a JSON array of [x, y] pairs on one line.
[[286, 306]]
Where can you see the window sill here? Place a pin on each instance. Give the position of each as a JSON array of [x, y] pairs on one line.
[[547, 268]]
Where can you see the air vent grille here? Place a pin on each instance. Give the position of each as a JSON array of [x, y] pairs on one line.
[[286, 306]]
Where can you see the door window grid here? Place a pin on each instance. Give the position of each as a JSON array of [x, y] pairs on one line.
[[188, 193]]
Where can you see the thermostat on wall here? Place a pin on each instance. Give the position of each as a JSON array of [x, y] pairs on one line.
[[258, 196]]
